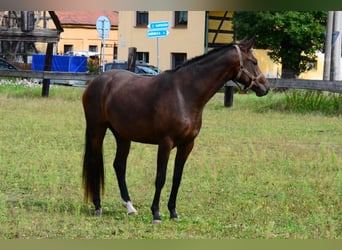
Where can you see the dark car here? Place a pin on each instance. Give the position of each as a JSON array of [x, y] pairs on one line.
[[4, 65], [140, 68]]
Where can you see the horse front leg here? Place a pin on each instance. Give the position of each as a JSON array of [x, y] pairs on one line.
[[164, 150], [182, 154], [119, 164]]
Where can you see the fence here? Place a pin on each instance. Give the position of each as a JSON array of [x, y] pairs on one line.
[[331, 86], [48, 75]]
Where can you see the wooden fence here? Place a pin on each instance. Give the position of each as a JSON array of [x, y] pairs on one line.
[[47, 75], [331, 86]]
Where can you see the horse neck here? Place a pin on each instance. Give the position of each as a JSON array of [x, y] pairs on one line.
[[206, 77]]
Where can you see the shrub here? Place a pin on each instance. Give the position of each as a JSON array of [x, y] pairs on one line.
[[303, 101]]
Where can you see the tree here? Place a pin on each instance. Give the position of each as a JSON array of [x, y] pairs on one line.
[[293, 37]]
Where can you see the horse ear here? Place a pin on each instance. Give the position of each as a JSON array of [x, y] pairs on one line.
[[248, 44], [244, 40]]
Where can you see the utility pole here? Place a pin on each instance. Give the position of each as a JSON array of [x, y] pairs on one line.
[[328, 42], [336, 47]]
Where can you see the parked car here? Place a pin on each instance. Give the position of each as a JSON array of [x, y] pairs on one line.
[[140, 67], [4, 65]]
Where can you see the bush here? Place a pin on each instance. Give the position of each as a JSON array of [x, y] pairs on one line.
[[303, 101]]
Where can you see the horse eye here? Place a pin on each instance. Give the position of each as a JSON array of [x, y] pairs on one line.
[[255, 62]]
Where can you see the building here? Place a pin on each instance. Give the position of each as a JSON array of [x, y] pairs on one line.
[[191, 33], [80, 36], [185, 39], [23, 33]]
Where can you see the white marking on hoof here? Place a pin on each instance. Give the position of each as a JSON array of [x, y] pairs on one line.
[[129, 206]]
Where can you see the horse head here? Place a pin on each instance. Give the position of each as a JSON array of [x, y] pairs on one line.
[[249, 73]]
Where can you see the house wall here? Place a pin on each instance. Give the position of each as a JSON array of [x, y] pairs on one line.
[[316, 72], [188, 40], [266, 65], [225, 26], [81, 38]]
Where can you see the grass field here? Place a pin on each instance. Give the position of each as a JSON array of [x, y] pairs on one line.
[[255, 172]]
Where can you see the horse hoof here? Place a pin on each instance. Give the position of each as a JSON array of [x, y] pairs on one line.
[[130, 209], [156, 222], [98, 212], [132, 213]]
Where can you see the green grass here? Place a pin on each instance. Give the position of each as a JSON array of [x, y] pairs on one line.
[[256, 171]]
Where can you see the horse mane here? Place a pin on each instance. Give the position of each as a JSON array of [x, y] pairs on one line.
[[198, 58]]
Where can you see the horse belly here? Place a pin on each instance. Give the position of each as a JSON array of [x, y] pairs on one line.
[[134, 127], [147, 131]]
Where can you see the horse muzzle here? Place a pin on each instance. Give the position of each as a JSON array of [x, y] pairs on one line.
[[260, 85]]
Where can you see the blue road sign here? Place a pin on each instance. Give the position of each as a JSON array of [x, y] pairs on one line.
[[158, 25], [157, 33]]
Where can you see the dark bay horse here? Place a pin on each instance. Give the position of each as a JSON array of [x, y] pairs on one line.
[[165, 110]]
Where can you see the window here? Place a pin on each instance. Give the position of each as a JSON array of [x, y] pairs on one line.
[[177, 59], [181, 18], [141, 18], [115, 51], [93, 48], [312, 65], [143, 57], [68, 48]]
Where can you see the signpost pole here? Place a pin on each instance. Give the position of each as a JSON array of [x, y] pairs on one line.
[[103, 46], [103, 27], [156, 30], [158, 53]]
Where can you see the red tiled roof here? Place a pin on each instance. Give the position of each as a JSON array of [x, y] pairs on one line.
[[86, 17]]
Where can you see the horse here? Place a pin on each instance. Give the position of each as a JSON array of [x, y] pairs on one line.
[[164, 110]]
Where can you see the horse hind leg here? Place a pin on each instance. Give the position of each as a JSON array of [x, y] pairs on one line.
[[93, 169], [120, 163]]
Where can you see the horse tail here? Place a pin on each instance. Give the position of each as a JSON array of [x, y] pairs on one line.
[[93, 169]]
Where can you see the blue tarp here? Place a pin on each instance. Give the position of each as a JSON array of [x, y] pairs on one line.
[[60, 63]]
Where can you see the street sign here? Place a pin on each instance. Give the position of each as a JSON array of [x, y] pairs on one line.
[[157, 33], [156, 30], [103, 26], [158, 25]]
